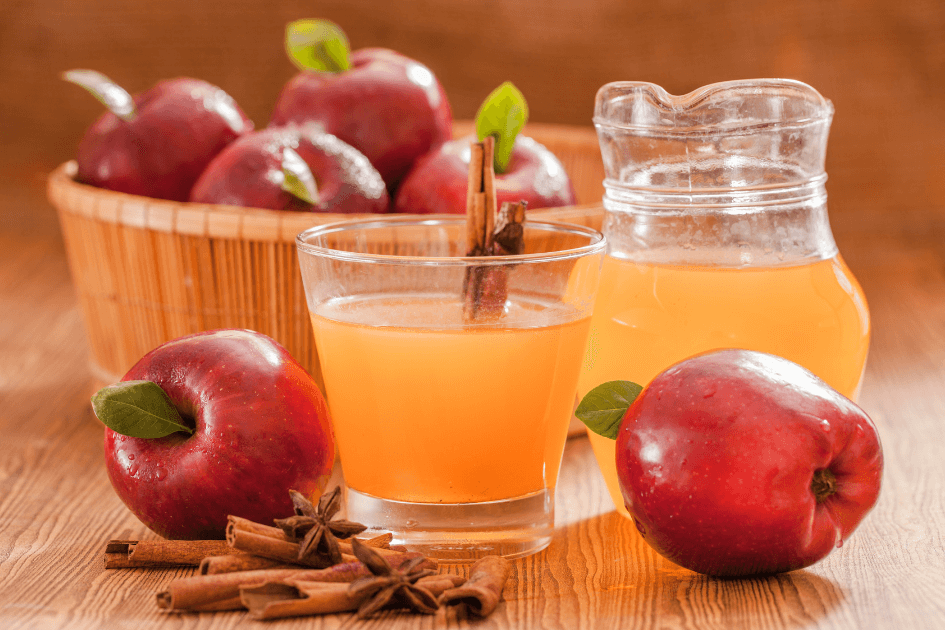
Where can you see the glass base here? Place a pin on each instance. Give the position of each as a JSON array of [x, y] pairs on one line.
[[460, 533]]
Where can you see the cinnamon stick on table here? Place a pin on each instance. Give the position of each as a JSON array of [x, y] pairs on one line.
[[485, 287], [483, 590], [296, 596], [270, 542], [234, 562], [120, 554], [221, 591]]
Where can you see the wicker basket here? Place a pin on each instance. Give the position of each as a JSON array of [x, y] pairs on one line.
[[147, 271]]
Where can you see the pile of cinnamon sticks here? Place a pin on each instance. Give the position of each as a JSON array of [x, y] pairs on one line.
[[268, 571]]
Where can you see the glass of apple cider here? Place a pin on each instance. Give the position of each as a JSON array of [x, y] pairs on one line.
[[718, 237], [450, 429]]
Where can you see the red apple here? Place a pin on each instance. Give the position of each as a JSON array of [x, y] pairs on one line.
[[438, 183], [260, 427], [737, 463], [525, 170], [158, 143], [386, 105], [264, 169]]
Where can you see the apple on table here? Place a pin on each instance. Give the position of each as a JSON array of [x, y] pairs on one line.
[[157, 143], [737, 463], [525, 170], [296, 167], [213, 424], [386, 105]]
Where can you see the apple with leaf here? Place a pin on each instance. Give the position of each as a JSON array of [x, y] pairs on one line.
[[296, 167], [386, 105], [158, 142], [525, 170], [738, 463], [213, 424]]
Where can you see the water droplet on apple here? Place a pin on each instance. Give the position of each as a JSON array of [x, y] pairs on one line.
[[133, 470], [839, 542], [160, 474], [131, 457], [825, 425]]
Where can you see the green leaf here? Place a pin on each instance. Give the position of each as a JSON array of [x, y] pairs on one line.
[[318, 45], [604, 406], [502, 115], [106, 91], [299, 180], [138, 409]]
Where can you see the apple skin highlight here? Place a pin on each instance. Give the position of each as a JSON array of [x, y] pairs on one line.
[[261, 428]]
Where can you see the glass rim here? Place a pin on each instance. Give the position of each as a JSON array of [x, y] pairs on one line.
[[598, 242]]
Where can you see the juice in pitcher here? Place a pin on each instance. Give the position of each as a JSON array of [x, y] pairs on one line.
[[718, 234]]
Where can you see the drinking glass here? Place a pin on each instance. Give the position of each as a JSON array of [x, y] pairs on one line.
[[718, 237], [450, 431]]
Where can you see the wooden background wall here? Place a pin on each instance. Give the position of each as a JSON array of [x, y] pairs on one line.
[[882, 62]]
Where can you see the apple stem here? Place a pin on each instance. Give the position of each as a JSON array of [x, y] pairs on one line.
[[106, 91], [823, 484]]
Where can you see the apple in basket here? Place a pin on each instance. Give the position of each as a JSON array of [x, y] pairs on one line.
[[737, 463], [211, 424], [525, 170], [386, 105], [296, 167], [158, 142]]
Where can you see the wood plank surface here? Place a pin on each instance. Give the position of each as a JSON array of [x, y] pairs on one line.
[[57, 508], [883, 65]]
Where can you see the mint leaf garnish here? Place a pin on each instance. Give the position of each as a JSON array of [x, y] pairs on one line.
[[138, 409], [603, 407], [502, 115], [318, 45]]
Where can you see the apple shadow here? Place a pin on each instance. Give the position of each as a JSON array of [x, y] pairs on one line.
[[602, 570]]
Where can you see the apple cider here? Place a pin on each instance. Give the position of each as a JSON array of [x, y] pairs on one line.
[[648, 317], [429, 410]]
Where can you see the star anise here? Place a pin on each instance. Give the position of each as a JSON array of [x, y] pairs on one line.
[[315, 527], [389, 587]]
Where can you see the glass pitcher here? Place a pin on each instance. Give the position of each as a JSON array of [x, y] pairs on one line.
[[716, 217]]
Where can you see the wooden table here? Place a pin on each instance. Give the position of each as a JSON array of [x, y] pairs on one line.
[[57, 508]]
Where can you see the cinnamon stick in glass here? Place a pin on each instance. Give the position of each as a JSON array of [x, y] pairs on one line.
[[485, 288], [121, 554]]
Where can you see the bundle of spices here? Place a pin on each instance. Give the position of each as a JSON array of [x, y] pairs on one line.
[[309, 563]]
